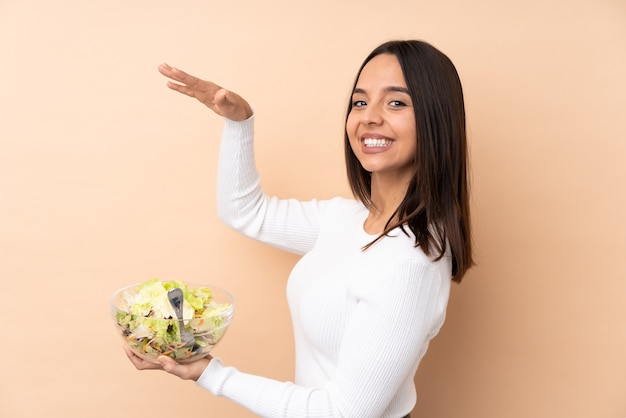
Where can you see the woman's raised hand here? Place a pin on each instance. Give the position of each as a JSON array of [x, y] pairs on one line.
[[223, 102]]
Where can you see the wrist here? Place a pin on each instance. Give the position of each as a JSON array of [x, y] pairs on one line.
[[198, 367]]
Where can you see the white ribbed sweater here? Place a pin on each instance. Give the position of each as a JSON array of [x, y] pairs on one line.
[[362, 319]]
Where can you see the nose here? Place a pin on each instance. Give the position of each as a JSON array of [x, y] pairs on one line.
[[372, 115]]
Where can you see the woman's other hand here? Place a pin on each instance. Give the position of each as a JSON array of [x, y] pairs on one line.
[[223, 102], [191, 371]]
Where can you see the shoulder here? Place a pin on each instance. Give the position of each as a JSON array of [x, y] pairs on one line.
[[399, 252]]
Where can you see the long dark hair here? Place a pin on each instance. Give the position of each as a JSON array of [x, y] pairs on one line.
[[436, 205]]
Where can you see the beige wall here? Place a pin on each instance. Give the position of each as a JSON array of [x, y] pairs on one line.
[[107, 178]]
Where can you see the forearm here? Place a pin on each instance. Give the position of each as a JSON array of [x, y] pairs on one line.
[[266, 397], [239, 195], [242, 205]]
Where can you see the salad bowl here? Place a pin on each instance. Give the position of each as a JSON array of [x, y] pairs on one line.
[[149, 325]]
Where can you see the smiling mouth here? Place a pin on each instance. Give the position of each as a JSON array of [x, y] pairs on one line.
[[376, 142]]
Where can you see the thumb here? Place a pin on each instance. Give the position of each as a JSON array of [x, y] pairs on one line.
[[191, 371], [231, 106], [168, 364], [221, 99]]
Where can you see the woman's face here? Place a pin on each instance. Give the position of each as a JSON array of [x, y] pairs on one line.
[[381, 124]]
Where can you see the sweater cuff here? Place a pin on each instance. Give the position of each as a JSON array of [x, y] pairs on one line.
[[214, 376], [239, 129]]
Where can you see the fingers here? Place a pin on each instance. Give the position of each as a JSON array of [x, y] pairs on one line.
[[138, 362], [178, 75], [182, 82], [189, 85], [181, 89]]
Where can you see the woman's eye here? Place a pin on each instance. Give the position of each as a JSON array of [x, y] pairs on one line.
[[396, 103], [358, 103]]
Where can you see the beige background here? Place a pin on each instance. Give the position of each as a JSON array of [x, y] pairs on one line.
[[107, 178]]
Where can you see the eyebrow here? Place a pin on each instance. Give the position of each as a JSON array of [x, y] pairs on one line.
[[386, 89]]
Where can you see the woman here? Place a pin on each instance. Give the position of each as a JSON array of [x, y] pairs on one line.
[[372, 286]]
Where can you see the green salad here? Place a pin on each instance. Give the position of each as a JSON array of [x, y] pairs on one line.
[[150, 325]]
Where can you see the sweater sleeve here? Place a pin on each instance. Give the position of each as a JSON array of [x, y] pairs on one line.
[[394, 321], [287, 224]]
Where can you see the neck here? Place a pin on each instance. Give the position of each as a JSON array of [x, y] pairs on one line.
[[386, 194]]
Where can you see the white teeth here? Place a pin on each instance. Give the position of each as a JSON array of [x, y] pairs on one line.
[[376, 142]]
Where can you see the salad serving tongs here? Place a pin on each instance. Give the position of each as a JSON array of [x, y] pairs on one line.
[[175, 297]]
